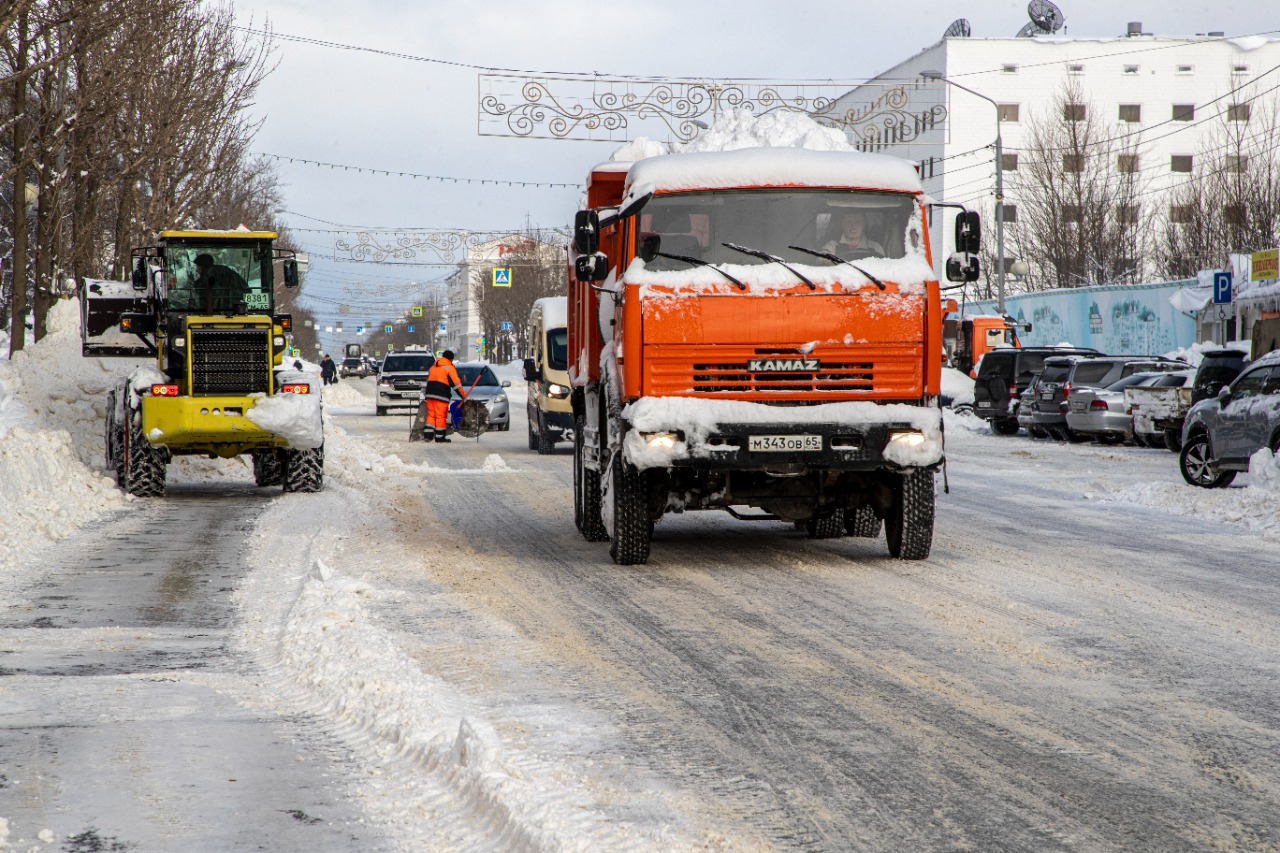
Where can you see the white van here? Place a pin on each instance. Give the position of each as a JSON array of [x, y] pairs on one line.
[[547, 372]]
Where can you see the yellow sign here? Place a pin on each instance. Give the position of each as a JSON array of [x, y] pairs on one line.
[[415, 311], [1264, 266], [502, 276]]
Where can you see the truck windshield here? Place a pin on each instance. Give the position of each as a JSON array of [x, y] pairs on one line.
[[218, 277], [849, 223]]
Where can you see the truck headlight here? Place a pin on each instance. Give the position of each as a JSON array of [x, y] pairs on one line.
[[557, 391], [663, 440], [907, 438]]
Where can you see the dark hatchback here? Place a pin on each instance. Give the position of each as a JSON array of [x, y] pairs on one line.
[[1003, 375]]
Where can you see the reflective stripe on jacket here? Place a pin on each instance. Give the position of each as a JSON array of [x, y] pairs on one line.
[[442, 378]]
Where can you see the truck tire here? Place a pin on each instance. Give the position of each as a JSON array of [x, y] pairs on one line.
[[268, 470], [908, 528], [144, 466], [827, 527], [862, 522], [1196, 463], [1005, 426], [631, 529], [586, 493], [1173, 440], [545, 443], [304, 470]]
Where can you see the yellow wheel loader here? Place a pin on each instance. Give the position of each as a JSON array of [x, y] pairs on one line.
[[202, 305]]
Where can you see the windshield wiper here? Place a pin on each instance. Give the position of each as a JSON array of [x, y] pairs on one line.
[[836, 259], [757, 253], [699, 262]]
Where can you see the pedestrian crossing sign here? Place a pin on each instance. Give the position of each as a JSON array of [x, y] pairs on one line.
[[502, 276], [415, 311]]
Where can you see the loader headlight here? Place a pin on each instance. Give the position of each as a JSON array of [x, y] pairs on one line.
[[662, 440], [180, 343], [278, 341], [907, 438]]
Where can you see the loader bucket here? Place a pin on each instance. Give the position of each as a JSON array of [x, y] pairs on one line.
[[101, 305]]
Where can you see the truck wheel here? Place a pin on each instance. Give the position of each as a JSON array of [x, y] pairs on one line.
[[909, 527], [1196, 464], [144, 465], [304, 470], [828, 527], [630, 543], [1005, 426], [862, 522], [1173, 440], [267, 468], [545, 443], [586, 491]]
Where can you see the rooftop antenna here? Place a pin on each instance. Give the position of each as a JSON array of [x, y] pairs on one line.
[[959, 29], [1045, 15]]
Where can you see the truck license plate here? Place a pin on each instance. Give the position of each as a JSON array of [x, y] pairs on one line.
[[783, 443]]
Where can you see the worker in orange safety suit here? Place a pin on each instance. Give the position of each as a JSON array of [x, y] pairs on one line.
[[442, 378]]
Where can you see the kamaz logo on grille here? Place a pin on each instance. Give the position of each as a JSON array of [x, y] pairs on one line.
[[783, 365]]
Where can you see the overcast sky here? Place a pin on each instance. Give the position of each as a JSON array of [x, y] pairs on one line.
[[381, 112]]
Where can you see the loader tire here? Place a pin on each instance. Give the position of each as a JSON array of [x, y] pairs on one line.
[[862, 522], [827, 527], [586, 494], [909, 526], [304, 470], [144, 465], [631, 528], [268, 470], [113, 440]]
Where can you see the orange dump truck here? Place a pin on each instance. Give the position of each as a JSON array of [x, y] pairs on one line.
[[758, 331]]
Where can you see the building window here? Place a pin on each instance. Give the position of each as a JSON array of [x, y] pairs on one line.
[[1234, 214], [1007, 112], [1074, 112], [1186, 69], [1010, 68], [1071, 213], [1127, 214], [1131, 112], [1075, 69], [1010, 212], [1182, 214], [1127, 163], [1131, 71], [1184, 112], [1239, 69], [1236, 163], [1073, 163], [1238, 112], [1009, 162], [1180, 163]]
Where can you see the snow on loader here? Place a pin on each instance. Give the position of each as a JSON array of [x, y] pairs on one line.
[[201, 305]]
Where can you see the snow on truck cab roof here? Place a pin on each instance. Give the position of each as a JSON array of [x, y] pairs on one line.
[[771, 167]]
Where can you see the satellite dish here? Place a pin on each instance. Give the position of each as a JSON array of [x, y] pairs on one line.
[[959, 29], [1045, 15], [1029, 30]]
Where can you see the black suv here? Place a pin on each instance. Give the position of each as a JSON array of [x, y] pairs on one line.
[[1003, 375], [1218, 369]]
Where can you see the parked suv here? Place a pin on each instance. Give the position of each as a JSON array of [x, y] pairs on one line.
[[1062, 374], [1221, 433], [401, 379], [1003, 375]]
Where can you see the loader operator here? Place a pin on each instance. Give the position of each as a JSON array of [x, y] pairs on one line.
[[442, 379], [218, 288]]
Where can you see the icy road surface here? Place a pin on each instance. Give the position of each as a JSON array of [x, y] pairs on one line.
[[1088, 661]]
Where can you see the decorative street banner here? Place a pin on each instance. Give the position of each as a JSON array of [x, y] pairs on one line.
[[1264, 266], [501, 276], [1116, 319], [608, 109], [427, 248]]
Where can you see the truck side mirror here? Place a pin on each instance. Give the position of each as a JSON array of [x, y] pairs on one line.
[[530, 370], [586, 232], [140, 275], [593, 267], [968, 233], [290, 273], [962, 267]]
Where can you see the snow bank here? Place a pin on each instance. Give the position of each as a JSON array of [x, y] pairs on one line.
[[958, 386]]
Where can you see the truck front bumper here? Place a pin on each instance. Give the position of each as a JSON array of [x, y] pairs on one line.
[[215, 425]]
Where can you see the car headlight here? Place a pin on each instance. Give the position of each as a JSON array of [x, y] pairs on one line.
[[500, 398], [907, 438], [557, 391]]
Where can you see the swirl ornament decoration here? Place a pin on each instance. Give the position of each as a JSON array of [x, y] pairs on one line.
[[614, 109], [381, 247]]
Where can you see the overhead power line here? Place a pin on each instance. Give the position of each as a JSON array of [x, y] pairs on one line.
[[395, 173]]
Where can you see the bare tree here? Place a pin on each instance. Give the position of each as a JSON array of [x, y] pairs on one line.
[[537, 262]]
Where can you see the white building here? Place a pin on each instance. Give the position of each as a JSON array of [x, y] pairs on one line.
[[461, 313], [1168, 92]]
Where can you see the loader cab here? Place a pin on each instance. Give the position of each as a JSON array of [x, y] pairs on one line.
[[239, 280]]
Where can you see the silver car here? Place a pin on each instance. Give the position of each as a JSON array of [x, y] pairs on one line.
[[1221, 433], [482, 384], [1103, 414]]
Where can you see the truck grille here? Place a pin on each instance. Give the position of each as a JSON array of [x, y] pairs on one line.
[[876, 371], [230, 361], [847, 376]]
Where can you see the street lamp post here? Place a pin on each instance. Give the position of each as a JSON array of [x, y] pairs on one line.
[[937, 75]]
